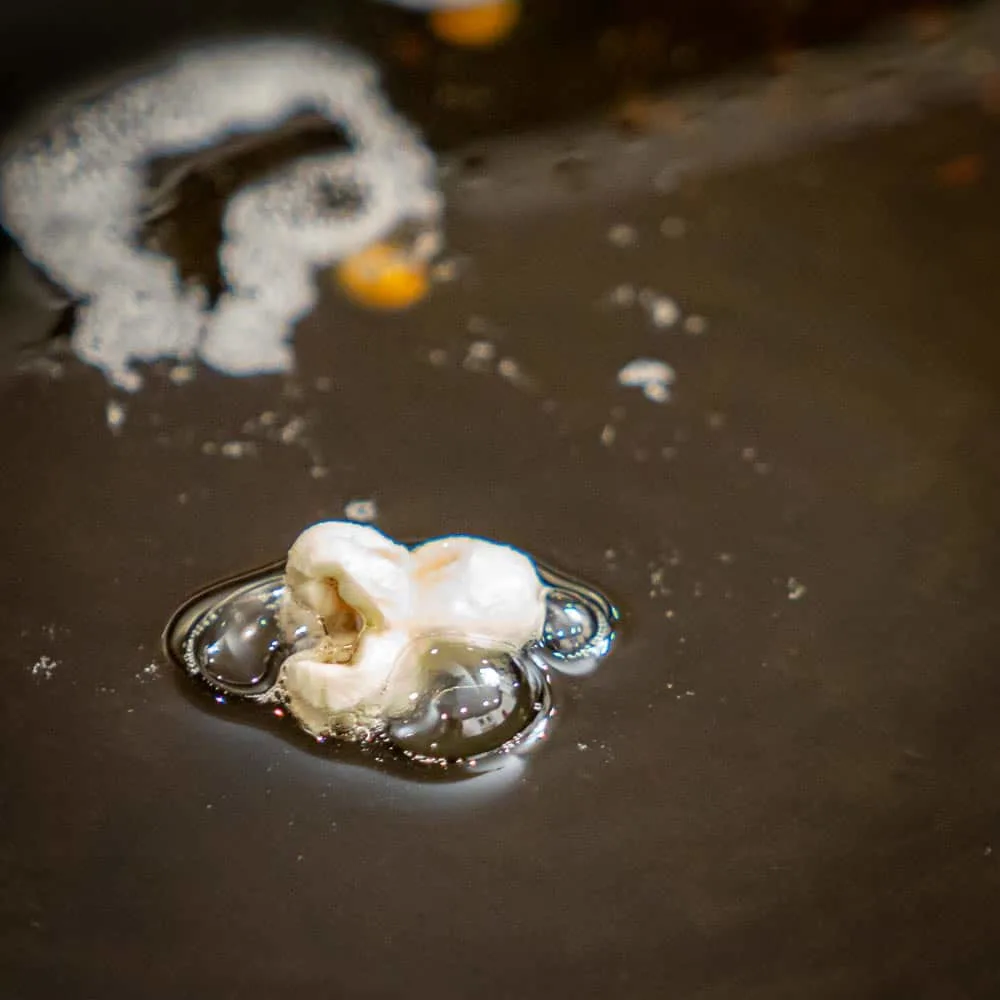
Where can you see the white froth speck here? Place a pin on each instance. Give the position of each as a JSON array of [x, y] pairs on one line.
[[237, 449], [181, 374], [508, 368], [623, 296], [74, 196], [115, 416], [652, 376], [43, 667], [623, 235], [363, 511], [796, 589], [608, 435], [695, 325], [479, 356], [663, 311], [444, 271], [292, 431]]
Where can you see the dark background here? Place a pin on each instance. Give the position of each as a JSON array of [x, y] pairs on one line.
[[566, 56], [767, 793]]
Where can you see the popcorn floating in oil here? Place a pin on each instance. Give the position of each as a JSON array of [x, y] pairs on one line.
[[442, 653]]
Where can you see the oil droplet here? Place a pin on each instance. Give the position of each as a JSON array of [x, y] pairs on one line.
[[477, 26], [229, 636], [467, 701], [579, 628], [384, 276], [466, 706]]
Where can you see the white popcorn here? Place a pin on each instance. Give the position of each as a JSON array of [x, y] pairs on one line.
[[484, 592], [358, 600]]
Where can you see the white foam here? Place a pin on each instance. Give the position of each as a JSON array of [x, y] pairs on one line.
[[73, 198], [652, 376], [363, 511]]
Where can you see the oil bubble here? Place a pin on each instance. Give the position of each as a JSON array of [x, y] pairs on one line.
[[466, 701], [229, 635], [239, 650], [579, 628]]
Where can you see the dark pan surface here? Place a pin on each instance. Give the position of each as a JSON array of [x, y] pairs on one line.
[[782, 785]]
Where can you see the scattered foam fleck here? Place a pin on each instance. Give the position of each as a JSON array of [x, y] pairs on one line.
[[662, 310], [115, 416], [656, 392], [652, 376], [237, 449], [43, 667], [623, 235], [695, 325], [363, 511], [292, 431], [796, 589], [509, 369], [149, 672], [445, 271], [479, 356], [623, 296]]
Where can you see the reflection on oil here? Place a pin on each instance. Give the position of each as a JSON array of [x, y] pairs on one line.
[[467, 701]]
